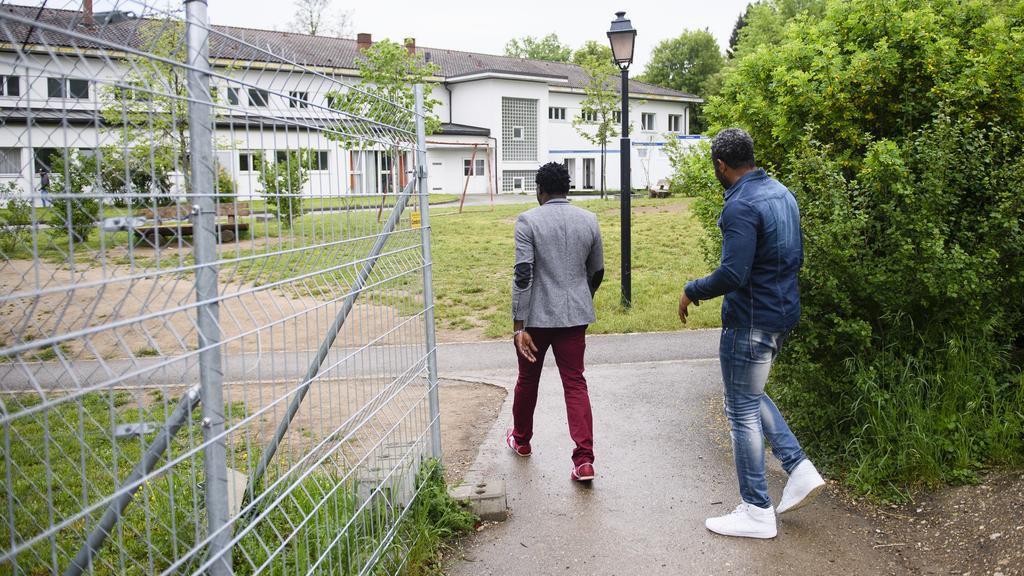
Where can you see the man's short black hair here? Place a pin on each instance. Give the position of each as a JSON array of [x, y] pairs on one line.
[[553, 179], [734, 147]]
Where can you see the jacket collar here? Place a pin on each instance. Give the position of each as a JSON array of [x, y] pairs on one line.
[[557, 201], [758, 174]]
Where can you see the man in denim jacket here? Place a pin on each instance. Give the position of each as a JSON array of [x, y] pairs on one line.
[[762, 251]]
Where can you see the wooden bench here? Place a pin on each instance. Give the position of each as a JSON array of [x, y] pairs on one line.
[[170, 222]]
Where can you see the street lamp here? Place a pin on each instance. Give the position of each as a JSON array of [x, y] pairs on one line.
[[622, 37]]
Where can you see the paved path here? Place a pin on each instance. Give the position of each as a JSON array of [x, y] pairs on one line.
[[663, 464]]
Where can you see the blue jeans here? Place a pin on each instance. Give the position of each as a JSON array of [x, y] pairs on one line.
[[746, 357]]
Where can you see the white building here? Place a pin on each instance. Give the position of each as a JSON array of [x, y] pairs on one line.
[[501, 117]]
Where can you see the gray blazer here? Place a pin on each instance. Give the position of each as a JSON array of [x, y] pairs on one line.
[[563, 244]]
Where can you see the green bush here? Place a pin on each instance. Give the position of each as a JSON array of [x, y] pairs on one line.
[[15, 220], [282, 182], [226, 189], [73, 212], [899, 125]]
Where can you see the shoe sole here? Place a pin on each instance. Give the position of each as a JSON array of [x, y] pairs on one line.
[[743, 535], [807, 499], [583, 478]]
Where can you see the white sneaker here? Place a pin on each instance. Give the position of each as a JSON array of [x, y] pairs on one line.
[[803, 485], [746, 520]]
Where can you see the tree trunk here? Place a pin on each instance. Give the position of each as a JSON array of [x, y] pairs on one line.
[[604, 155]]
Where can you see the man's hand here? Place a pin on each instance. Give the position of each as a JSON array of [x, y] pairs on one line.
[[684, 303], [525, 346]]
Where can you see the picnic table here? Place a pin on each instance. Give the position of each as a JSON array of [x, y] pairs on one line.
[[172, 222]]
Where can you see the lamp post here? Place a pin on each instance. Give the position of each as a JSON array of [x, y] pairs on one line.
[[622, 37]]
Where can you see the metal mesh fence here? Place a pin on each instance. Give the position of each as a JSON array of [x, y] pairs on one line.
[[216, 329]]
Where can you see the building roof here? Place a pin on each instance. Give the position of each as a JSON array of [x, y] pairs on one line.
[[232, 43], [463, 130]]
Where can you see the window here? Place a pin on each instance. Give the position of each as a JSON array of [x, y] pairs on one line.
[[517, 183], [647, 121], [67, 88], [473, 167], [258, 97], [233, 96], [44, 157], [247, 162], [555, 113], [517, 132], [318, 160], [10, 86], [675, 122], [10, 160], [333, 100], [588, 116], [617, 116], [298, 99]]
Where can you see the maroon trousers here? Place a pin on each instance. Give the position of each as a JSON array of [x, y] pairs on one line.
[[568, 344]]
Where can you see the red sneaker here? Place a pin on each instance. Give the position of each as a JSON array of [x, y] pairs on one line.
[[583, 473], [520, 449]]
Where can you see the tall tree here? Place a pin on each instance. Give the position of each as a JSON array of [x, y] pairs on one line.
[[734, 38], [320, 18], [689, 63], [764, 22], [546, 48], [592, 50], [685, 63], [598, 122]]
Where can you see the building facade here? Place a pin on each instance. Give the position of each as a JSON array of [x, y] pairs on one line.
[[501, 117]]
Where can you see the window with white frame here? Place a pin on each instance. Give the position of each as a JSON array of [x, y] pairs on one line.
[[617, 116], [10, 86], [675, 122], [556, 113], [247, 161], [259, 97], [473, 167], [10, 161], [298, 99], [588, 115], [233, 96], [67, 88], [647, 121], [519, 117]]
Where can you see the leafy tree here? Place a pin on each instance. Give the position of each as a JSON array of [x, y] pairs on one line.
[[148, 116], [685, 63], [600, 103], [592, 50], [73, 213], [688, 63], [898, 124], [282, 180], [546, 48], [320, 18], [765, 20], [385, 93], [15, 220], [734, 38]]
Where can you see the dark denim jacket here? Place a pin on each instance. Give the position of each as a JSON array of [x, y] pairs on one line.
[[762, 251]]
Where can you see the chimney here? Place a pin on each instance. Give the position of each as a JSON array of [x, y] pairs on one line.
[[410, 45], [364, 40], [87, 13]]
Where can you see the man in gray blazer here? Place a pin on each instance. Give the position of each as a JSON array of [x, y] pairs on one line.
[[559, 266]]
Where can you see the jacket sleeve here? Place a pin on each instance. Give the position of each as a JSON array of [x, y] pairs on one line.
[[595, 260], [522, 280], [739, 242]]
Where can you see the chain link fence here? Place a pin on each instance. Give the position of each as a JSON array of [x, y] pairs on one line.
[[216, 323]]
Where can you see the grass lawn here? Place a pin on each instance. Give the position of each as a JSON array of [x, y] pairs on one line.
[[473, 259]]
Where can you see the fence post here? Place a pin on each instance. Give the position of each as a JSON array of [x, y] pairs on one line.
[[428, 273], [204, 223]]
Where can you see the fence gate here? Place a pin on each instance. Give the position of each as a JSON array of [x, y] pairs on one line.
[[216, 320]]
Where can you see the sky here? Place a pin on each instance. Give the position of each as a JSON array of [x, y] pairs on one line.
[[485, 26], [480, 25]]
